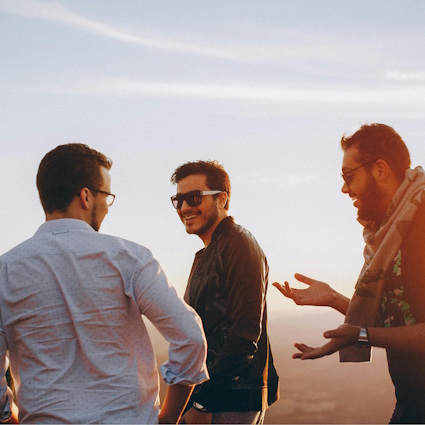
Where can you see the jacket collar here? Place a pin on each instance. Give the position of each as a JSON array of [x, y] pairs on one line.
[[222, 227]]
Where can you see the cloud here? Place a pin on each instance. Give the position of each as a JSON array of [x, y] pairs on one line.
[[406, 76], [58, 13], [124, 87], [285, 180], [271, 45]]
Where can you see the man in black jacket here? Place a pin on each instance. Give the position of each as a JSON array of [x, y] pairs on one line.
[[227, 287]]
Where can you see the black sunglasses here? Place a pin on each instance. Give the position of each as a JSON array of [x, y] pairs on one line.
[[192, 199]]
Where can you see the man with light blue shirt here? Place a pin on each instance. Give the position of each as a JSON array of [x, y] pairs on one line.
[[71, 301]]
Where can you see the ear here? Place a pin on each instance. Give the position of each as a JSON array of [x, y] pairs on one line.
[[84, 196], [382, 170], [223, 197]]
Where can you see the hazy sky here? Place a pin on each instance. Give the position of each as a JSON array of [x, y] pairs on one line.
[[266, 87]]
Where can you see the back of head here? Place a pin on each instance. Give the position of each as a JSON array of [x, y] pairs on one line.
[[67, 169], [379, 141], [217, 177]]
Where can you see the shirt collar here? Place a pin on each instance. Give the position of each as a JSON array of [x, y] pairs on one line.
[[64, 224]]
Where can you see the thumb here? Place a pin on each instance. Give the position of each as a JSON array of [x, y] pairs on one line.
[[334, 333]]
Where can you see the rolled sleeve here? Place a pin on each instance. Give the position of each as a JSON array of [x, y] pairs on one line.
[[186, 356], [178, 323]]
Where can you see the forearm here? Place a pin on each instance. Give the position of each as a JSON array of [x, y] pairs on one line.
[[175, 401], [339, 302], [400, 338]]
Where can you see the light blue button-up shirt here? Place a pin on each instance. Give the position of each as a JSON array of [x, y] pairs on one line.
[[71, 301]]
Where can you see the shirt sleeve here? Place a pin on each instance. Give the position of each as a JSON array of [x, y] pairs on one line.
[[178, 323]]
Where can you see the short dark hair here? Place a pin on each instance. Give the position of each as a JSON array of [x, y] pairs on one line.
[[67, 169], [217, 177], [379, 141]]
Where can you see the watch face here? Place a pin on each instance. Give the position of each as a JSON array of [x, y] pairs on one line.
[[363, 336]]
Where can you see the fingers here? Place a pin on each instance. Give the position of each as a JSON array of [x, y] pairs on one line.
[[287, 290], [284, 289], [304, 279], [303, 351]]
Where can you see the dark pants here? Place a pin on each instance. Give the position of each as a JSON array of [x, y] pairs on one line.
[[408, 414]]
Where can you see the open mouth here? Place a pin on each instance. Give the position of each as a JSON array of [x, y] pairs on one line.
[[190, 217]]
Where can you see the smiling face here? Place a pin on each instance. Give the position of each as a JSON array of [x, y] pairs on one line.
[[362, 187], [202, 219]]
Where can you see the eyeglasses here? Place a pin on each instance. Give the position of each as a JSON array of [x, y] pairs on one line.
[[348, 179], [110, 197], [192, 199]]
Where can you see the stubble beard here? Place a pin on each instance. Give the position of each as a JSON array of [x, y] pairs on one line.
[[93, 219], [211, 219]]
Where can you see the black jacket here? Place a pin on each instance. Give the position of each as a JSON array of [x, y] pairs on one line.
[[227, 287]]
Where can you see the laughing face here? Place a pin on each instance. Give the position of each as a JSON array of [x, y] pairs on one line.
[[362, 187]]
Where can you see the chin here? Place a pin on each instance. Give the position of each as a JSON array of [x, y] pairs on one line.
[[190, 230]]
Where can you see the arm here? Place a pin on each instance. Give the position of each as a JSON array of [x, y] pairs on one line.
[[174, 402], [317, 294], [180, 326], [400, 338]]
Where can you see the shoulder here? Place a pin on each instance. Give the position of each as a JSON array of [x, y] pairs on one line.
[[24, 249], [238, 238], [121, 245]]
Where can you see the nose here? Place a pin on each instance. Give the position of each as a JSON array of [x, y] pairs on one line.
[[185, 206], [345, 188]]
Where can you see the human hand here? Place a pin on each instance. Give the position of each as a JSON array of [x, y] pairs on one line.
[[193, 416], [317, 293], [341, 337]]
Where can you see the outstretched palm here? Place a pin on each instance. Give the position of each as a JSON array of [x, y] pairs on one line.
[[317, 293]]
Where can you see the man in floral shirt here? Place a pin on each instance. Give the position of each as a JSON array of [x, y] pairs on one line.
[[388, 307]]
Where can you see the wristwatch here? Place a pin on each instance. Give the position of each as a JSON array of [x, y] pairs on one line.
[[363, 338], [199, 407]]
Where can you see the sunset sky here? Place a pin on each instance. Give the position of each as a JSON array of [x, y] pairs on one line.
[[265, 87]]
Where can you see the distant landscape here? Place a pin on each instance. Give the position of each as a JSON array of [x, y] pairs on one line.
[[321, 391]]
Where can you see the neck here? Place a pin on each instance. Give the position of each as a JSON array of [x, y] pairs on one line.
[[68, 213], [207, 235]]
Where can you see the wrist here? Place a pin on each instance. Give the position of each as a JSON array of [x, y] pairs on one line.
[[339, 302], [363, 337]]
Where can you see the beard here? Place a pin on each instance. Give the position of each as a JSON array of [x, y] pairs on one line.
[[93, 219], [371, 203], [211, 219]]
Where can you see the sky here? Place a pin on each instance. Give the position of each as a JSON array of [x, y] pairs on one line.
[[267, 88]]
